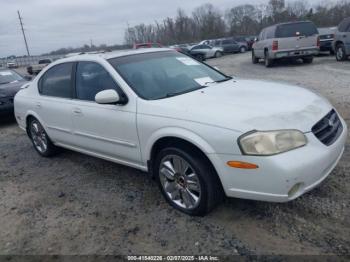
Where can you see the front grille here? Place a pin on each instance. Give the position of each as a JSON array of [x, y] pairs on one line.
[[328, 129]]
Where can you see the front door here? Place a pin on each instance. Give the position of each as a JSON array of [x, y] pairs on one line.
[[108, 130]]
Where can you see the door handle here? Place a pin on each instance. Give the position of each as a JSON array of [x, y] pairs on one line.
[[38, 105], [77, 111], [344, 35]]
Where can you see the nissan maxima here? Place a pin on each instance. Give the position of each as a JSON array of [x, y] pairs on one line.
[[201, 134]]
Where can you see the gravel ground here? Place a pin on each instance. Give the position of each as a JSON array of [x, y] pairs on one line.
[[76, 204]]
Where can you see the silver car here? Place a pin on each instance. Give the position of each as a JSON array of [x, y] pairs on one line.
[[342, 40], [206, 50], [287, 40]]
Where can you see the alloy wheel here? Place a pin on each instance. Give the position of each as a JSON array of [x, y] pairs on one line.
[[38, 136], [340, 53], [180, 182]]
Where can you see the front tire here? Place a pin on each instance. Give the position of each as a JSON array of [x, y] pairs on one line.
[[218, 54], [340, 53], [187, 181], [41, 141]]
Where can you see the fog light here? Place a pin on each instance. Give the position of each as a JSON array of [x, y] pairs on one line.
[[294, 190]]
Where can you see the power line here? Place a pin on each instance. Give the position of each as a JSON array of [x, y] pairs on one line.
[[24, 35]]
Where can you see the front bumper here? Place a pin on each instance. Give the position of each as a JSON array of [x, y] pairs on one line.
[[326, 45], [307, 166], [6, 106], [295, 53]]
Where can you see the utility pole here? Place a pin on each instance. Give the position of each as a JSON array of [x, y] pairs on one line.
[[24, 35]]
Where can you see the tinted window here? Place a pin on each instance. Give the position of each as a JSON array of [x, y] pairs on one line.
[[270, 32], [57, 81], [296, 29], [92, 78], [227, 42], [344, 25], [206, 47], [163, 74]]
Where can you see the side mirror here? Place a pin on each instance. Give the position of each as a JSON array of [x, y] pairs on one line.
[[28, 78], [109, 96]]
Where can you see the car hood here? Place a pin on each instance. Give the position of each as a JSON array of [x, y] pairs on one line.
[[10, 89], [244, 105]]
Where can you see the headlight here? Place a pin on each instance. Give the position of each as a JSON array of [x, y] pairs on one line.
[[271, 142]]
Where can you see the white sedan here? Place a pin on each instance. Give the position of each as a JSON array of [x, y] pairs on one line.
[[201, 134]]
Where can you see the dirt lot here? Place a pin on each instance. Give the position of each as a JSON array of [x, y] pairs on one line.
[[75, 204]]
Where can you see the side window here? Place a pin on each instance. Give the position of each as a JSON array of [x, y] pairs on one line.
[[57, 81], [92, 78], [344, 25]]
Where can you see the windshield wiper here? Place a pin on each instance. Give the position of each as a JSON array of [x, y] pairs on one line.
[[220, 81], [184, 92]]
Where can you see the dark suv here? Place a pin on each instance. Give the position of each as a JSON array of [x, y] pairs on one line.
[[342, 40]]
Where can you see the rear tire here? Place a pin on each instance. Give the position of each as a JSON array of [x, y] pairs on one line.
[[218, 54], [255, 60], [41, 141], [200, 57], [268, 61], [340, 53], [308, 60], [191, 187], [242, 49]]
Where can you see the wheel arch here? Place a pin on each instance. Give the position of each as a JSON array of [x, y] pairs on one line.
[[32, 114], [185, 144], [338, 42]]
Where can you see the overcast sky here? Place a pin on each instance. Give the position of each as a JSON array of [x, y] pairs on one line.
[[52, 24]]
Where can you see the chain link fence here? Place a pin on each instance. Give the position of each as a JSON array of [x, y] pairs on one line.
[[26, 61]]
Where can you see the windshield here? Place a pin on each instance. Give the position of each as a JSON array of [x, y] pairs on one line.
[[8, 76], [164, 74], [296, 29]]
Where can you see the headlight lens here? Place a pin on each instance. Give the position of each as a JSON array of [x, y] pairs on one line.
[[271, 142]]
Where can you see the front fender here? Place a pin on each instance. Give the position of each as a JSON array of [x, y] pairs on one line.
[[177, 132]]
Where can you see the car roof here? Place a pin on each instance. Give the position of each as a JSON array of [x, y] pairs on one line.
[[113, 54]]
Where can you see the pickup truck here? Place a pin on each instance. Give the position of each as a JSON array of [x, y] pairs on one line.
[[35, 69]]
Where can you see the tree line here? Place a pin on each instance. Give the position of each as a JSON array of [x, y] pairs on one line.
[[208, 22]]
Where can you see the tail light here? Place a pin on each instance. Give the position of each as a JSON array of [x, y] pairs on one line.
[[275, 45], [318, 41]]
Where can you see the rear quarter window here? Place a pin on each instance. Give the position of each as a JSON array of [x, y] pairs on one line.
[[296, 29], [344, 26]]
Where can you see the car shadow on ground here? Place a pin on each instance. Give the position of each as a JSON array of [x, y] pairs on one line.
[[7, 121]]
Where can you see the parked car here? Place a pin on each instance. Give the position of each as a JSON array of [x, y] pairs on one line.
[[231, 46], [203, 52], [10, 84], [342, 40], [326, 35], [147, 45], [287, 40], [11, 64], [35, 69], [201, 134]]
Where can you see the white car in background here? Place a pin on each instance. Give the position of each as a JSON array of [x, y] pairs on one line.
[[200, 133]]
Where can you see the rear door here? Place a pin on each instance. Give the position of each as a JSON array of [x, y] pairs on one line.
[[107, 130], [296, 36], [53, 105]]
